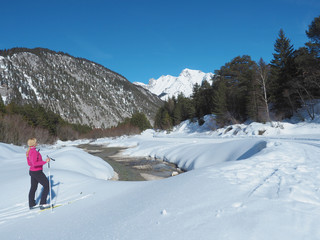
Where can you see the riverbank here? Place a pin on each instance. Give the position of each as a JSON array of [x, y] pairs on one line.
[[128, 168]]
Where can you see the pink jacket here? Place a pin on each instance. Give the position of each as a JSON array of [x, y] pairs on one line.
[[35, 160]]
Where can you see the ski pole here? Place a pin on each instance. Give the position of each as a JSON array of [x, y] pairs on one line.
[[50, 182]]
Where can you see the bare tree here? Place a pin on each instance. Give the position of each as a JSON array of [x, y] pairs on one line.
[[263, 71], [308, 101]]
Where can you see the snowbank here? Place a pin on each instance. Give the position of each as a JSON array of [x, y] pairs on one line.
[[293, 126], [241, 185], [75, 160]]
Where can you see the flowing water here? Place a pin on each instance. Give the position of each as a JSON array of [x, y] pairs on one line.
[[129, 168]]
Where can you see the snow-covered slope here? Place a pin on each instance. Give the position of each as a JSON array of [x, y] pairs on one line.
[[168, 86], [79, 90], [238, 187]]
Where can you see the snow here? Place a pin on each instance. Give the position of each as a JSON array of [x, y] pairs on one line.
[[29, 80], [2, 65], [169, 86], [4, 98], [239, 185]]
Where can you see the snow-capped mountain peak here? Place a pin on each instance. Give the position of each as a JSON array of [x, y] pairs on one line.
[[169, 86]]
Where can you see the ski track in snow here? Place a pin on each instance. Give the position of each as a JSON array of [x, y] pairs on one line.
[[21, 210], [291, 176]]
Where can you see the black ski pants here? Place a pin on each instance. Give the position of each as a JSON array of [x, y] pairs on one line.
[[38, 177]]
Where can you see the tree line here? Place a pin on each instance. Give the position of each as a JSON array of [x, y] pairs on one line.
[[244, 90], [18, 123]]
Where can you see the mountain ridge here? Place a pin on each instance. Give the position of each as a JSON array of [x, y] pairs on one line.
[[80, 90]]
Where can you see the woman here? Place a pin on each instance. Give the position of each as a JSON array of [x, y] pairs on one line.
[[37, 176]]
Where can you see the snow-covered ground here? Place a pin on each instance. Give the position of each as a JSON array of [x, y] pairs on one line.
[[239, 185]]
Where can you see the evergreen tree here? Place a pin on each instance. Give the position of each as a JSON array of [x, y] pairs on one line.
[[306, 83], [183, 109], [307, 60], [313, 34], [169, 105], [206, 98], [187, 107], [282, 72], [177, 114], [140, 120], [284, 51], [220, 102], [310, 63], [166, 121], [203, 99], [174, 111], [238, 76], [162, 119], [196, 96]]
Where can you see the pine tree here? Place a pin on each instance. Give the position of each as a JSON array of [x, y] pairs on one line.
[[196, 96], [162, 119], [284, 51], [203, 99], [220, 103], [313, 33], [187, 107], [166, 120], [238, 76], [206, 98], [307, 60], [180, 112], [177, 114], [140, 120], [282, 73], [311, 68]]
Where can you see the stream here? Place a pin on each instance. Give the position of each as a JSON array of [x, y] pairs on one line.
[[129, 168]]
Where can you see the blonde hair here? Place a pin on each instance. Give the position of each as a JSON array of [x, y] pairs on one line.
[[31, 143]]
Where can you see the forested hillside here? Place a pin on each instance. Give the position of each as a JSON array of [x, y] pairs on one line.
[[20, 122], [80, 91], [244, 90]]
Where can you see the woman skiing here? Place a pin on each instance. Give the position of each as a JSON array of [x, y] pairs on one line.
[[35, 162]]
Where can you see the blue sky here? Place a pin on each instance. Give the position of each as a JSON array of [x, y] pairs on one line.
[[147, 39]]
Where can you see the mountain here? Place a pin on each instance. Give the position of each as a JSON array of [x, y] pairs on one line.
[[79, 90], [168, 86]]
